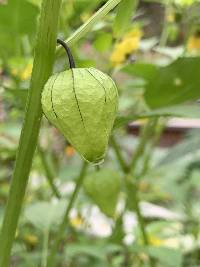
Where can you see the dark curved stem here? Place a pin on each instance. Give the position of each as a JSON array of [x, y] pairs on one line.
[[69, 54]]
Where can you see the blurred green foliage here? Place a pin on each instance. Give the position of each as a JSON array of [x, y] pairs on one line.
[[152, 50]]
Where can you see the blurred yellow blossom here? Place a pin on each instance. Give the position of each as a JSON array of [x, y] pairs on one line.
[[126, 46], [31, 239], [170, 17], [155, 241], [193, 43], [26, 72], [77, 221], [22, 72]]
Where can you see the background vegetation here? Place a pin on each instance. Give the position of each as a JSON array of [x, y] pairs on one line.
[[142, 207]]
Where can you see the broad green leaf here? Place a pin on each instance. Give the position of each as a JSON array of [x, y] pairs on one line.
[[176, 83], [190, 145], [95, 251], [103, 41], [103, 187], [44, 214], [143, 70], [89, 250], [166, 256], [125, 12], [17, 96], [185, 111], [17, 18]]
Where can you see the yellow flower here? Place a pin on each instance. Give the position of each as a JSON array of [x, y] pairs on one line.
[[117, 57], [22, 72], [26, 72], [153, 240], [77, 221], [31, 239], [136, 32], [194, 44], [126, 46], [170, 17]]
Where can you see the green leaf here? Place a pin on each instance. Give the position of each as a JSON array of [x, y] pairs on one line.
[[103, 42], [166, 256], [185, 111], [89, 250], [176, 83], [17, 18], [44, 215], [103, 187], [98, 251], [125, 12], [142, 70], [189, 146], [19, 96]]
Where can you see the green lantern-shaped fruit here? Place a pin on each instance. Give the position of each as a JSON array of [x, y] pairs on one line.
[[82, 104]]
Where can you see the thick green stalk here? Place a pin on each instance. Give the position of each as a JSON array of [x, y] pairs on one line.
[[49, 172], [65, 221], [42, 69], [87, 26]]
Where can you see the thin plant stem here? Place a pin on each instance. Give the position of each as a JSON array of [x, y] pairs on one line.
[[165, 32], [119, 156], [87, 26], [146, 132], [45, 248], [139, 215], [158, 128], [49, 172], [141, 221], [42, 69], [65, 221]]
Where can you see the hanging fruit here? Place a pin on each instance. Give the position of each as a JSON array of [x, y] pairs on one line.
[[82, 104]]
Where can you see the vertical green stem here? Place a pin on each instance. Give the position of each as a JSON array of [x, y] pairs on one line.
[[146, 132], [141, 222], [64, 223], [119, 156], [157, 128], [139, 216], [49, 172], [45, 248], [42, 69]]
